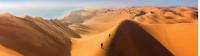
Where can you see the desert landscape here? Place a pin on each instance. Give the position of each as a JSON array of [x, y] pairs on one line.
[[130, 31]]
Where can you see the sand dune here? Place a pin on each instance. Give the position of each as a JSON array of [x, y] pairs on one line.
[[135, 31], [181, 39], [31, 36], [79, 16], [104, 22], [131, 40]]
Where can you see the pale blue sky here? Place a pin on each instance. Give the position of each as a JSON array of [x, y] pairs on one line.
[[83, 3]]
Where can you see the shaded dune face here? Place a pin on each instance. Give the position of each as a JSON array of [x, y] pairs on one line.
[[33, 37], [132, 40]]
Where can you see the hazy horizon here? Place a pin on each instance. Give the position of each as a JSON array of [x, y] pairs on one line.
[[57, 8]]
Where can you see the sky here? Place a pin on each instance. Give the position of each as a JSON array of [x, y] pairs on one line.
[[94, 3]]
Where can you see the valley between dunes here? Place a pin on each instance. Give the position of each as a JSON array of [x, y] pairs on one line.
[[137, 31]]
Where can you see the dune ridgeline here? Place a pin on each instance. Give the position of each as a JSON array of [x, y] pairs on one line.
[[134, 31]]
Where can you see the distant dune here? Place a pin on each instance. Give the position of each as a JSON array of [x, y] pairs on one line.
[[133, 31], [164, 15]]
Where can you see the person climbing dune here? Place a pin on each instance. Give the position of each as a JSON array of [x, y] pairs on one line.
[[102, 45], [109, 36]]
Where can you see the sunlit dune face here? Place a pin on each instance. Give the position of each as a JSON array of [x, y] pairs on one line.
[[170, 15], [8, 52]]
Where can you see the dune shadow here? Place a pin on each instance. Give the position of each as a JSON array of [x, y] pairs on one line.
[[132, 40]]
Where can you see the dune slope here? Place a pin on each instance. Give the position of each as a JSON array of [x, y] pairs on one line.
[[162, 23], [131, 40], [31, 36], [134, 31]]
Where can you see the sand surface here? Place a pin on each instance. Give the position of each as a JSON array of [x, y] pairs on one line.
[[140, 31]]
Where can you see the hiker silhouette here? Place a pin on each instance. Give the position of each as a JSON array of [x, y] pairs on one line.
[[101, 45]]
